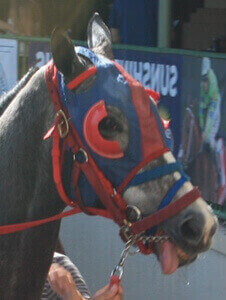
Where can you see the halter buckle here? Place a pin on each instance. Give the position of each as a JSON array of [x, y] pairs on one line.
[[62, 126], [81, 156]]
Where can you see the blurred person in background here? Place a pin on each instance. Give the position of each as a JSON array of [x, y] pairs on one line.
[[210, 118], [134, 22]]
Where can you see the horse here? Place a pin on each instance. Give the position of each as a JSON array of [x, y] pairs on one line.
[[27, 187], [198, 159]]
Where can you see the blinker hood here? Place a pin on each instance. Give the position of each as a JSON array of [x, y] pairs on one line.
[[112, 87]]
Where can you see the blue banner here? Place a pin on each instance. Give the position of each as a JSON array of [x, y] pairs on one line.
[[162, 73]]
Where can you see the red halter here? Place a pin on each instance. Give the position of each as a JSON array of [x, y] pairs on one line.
[[111, 199]]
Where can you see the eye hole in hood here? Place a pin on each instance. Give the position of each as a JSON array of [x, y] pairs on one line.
[[99, 130]]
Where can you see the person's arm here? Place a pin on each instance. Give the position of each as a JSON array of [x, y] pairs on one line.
[[62, 283], [201, 108], [65, 280], [114, 292], [214, 96], [68, 265], [210, 119]]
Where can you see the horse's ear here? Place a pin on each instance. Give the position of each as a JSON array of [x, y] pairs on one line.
[[63, 52], [99, 37]]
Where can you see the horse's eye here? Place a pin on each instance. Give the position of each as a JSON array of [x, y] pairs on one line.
[[114, 127], [108, 126]]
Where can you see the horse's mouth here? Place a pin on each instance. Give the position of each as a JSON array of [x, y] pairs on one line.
[[170, 256]]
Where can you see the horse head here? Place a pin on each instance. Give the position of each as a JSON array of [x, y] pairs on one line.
[[118, 125]]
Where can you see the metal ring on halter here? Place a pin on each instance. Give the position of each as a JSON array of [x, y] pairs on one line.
[[62, 126], [126, 232], [134, 252], [81, 156]]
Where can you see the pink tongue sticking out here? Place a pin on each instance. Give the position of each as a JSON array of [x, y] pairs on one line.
[[168, 257]]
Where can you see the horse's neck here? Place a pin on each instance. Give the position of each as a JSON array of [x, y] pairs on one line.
[[25, 164]]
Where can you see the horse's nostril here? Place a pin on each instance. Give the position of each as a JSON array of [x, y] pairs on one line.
[[191, 229]]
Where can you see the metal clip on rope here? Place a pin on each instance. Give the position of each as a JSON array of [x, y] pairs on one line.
[[118, 271], [119, 268]]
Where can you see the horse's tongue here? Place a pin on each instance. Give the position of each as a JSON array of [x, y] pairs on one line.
[[168, 257]]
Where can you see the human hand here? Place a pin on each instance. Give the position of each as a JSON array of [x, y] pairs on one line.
[[108, 292], [62, 283]]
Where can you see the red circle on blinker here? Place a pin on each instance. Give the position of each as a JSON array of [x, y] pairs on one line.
[[105, 148]]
